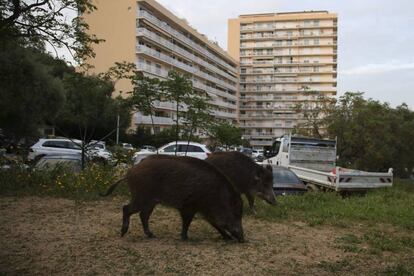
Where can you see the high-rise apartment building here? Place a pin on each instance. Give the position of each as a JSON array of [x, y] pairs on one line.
[[147, 34], [282, 57]]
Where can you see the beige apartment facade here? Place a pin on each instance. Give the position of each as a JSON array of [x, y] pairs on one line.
[[283, 57], [147, 34]]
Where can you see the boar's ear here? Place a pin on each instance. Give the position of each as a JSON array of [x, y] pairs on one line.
[[269, 168]]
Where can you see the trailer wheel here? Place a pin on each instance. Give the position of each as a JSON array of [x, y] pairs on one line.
[[312, 188]]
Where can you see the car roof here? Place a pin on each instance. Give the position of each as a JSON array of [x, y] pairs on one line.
[[60, 139], [184, 143]]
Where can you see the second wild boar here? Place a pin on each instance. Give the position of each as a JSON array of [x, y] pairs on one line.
[[249, 178], [187, 184]]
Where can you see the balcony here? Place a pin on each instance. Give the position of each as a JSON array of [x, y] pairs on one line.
[[264, 143], [196, 84], [173, 47], [181, 65], [164, 26], [261, 107], [223, 114], [146, 120]]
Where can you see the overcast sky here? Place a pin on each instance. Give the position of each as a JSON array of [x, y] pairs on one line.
[[375, 38]]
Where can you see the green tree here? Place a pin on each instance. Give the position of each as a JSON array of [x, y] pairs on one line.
[[312, 110], [145, 92], [90, 109], [37, 23], [178, 89], [198, 116], [31, 91], [226, 134], [371, 135]]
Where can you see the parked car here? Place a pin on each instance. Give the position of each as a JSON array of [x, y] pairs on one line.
[[127, 146], [256, 153], [247, 151], [62, 146], [286, 181], [192, 149], [149, 148], [72, 162]]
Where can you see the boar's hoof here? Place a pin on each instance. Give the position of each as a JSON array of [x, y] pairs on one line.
[[123, 231], [150, 235]]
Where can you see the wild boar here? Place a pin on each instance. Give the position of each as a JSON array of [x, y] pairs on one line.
[[249, 178], [188, 184]]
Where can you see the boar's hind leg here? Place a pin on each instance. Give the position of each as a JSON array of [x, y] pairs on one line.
[[127, 211], [186, 216], [145, 214]]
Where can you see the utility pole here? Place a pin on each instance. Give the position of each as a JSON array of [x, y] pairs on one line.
[[117, 130]]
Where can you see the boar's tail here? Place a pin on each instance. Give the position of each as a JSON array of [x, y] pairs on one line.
[[113, 187]]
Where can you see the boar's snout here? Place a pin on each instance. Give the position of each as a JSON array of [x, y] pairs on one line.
[[268, 196], [271, 199]]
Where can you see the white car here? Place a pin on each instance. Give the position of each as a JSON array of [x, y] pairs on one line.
[[257, 153], [196, 150], [67, 146]]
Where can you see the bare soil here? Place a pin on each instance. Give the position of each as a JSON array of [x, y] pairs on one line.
[[40, 235]]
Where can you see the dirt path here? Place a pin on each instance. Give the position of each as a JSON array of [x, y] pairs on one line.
[[58, 236]]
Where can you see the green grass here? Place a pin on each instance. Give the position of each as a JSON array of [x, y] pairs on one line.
[[394, 205]]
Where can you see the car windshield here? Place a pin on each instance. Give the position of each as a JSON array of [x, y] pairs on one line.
[[284, 176]]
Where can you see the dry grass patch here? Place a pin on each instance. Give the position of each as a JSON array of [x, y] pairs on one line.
[[41, 235]]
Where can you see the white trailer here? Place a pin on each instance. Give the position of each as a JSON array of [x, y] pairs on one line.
[[314, 161]]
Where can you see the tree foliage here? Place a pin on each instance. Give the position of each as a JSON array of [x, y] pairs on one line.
[[313, 111], [178, 89], [225, 134], [89, 111], [40, 22], [31, 91], [371, 135]]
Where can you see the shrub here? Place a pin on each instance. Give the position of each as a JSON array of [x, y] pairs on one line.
[[60, 181]]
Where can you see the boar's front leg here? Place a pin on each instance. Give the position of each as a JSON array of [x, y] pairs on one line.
[[221, 231], [186, 216], [250, 198], [144, 215]]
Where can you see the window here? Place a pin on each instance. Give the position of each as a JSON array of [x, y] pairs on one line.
[[55, 144], [316, 41], [306, 41], [72, 145], [195, 149], [315, 22], [285, 146], [170, 148]]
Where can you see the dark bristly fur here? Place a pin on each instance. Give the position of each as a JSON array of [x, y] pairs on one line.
[[248, 177], [189, 185]]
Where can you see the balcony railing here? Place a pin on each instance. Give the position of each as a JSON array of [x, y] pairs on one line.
[[253, 107], [167, 28], [173, 47], [146, 120], [210, 90], [224, 114], [183, 66]]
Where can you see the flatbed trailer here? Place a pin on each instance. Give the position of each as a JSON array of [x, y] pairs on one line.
[[314, 162]]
